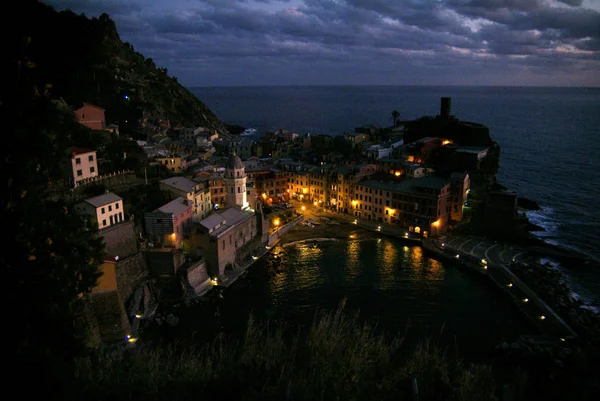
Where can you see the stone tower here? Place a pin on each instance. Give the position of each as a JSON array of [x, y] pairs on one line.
[[235, 182]]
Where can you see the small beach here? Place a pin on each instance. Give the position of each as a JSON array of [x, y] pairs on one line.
[[335, 229]]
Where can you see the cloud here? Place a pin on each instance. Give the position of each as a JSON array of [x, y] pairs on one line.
[[210, 42]]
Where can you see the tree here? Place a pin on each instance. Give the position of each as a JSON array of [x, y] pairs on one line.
[[52, 255], [395, 116]]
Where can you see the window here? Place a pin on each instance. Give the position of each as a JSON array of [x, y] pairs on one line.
[[102, 210], [82, 115], [238, 190], [91, 158], [110, 208], [111, 220], [103, 223], [223, 242], [92, 169], [116, 206], [78, 160]]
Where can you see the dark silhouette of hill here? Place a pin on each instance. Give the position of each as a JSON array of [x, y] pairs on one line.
[[83, 59]]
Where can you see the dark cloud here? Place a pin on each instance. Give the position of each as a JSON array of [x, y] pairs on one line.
[[97, 7], [220, 42], [572, 3]]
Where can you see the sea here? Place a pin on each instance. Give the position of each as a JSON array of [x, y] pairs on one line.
[[383, 282], [549, 138]]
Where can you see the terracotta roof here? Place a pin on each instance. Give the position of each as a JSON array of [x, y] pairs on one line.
[[78, 151], [90, 105]]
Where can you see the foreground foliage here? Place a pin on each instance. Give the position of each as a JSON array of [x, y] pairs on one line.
[[337, 358]]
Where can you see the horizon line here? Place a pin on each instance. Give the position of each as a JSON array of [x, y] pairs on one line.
[[393, 85]]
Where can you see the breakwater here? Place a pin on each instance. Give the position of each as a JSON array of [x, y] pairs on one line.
[[552, 326]]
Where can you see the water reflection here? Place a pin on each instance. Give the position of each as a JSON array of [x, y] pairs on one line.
[[435, 270], [308, 260], [352, 260], [416, 257], [387, 264]]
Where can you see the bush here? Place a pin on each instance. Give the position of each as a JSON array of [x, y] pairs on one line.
[[336, 358]]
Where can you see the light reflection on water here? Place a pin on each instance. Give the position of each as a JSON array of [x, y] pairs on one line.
[[353, 264], [390, 283]]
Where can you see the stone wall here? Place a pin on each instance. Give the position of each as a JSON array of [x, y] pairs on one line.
[[110, 315], [131, 272], [110, 181], [273, 237], [164, 261], [120, 240], [197, 276]]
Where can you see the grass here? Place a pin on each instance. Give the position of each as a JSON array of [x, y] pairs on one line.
[[337, 358]]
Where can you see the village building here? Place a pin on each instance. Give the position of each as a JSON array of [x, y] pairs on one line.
[[223, 235], [167, 224], [106, 210], [82, 165], [198, 193], [235, 182], [91, 116], [422, 205]]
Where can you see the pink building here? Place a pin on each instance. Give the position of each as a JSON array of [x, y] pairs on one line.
[[83, 165], [91, 116], [167, 224]]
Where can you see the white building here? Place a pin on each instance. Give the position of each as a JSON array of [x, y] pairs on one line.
[[83, 163], [106, 210], [235, 182]]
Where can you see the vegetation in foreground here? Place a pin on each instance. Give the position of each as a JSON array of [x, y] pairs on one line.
[[336, 358]]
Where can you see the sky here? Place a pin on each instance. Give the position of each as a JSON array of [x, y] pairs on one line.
[[362, 42]]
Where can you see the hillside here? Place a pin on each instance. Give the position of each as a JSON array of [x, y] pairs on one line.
[[83, 59]]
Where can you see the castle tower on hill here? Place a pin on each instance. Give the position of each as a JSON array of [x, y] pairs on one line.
[[235, 182]]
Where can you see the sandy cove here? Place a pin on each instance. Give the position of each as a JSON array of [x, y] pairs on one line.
[[336, 229]]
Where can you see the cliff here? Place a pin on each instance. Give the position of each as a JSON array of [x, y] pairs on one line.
[[83, 59]]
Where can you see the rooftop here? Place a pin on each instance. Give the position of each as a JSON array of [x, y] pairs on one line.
[[104, 199], [78, 151], [175, 207], [181, 183], [407, 185], [212, 221], [230, 217]]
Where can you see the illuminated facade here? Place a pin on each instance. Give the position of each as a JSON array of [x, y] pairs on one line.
[[422, 205], [235, 183]]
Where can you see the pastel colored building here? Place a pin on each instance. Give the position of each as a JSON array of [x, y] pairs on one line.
[[198, 193], [91, 116], [422, 205], [224, 234], [106, 209], [83, 165], [167, 224]]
